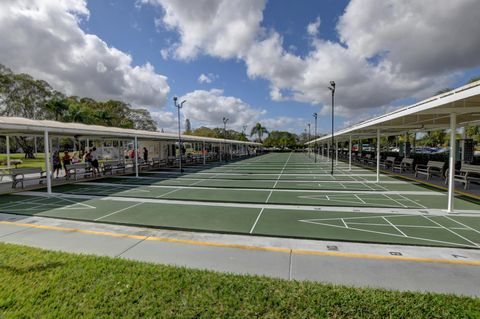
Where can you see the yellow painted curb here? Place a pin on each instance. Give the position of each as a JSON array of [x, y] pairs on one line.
[[251, 247]]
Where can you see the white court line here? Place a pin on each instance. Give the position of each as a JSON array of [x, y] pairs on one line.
[[407, 226], [260, 180], [477, 231], [396, 201], [278, 178], [256, 220], [119, 211], [346, 226], [251, 174], [191, 186], [412, 201], [390, 234], [458, 235], [317, 208], [359, 198], [401, 232]]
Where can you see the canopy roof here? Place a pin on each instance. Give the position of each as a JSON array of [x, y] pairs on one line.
[[24, 126], [430, 114]]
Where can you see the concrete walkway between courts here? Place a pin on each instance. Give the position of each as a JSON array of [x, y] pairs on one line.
[[405, 268]]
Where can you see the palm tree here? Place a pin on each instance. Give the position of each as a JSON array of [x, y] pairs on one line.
[[259, 130]]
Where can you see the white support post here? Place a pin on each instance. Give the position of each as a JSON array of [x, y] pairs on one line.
[[7, 143], [204, 154], [350, 154], [135, 147], [328, 152], [451, 163], [336, 153], [46, 145], [378, 155]]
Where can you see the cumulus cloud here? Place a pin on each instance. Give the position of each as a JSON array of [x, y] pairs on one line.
[[388, 50], [207, 78], [222, 28], [312, 28], [208, 108], [43, 38], [165, 120], [283, 123]]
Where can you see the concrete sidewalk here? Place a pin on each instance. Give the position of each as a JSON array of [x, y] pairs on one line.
[[406, 268]]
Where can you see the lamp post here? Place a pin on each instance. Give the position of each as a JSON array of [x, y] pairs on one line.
[[179, 106], [315, 116], [308, 124], [225, 120], [332, 88]]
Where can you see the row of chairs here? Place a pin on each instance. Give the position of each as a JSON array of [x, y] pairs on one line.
[[467, 173]]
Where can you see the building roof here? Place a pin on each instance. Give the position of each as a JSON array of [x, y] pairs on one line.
[[429, 114], [20, 125]]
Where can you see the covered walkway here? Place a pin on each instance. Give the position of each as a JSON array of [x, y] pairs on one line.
[[451, 110]]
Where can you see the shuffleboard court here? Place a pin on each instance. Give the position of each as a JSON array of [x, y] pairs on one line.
[[279, 194]]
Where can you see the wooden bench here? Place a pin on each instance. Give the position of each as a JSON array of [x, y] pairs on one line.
[[18, 175], [369, 159], [157, 162], [113, 167], [432, 168], [388, 162], [467, 173], [76, 170], [5, 172]]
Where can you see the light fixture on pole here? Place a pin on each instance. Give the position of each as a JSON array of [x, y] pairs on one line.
[[315, 116], [332, 88], [179, 106], [225, 120]]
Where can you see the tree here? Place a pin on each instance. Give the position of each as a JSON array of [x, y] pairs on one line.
[[474, 79], [281, 139], [259, 130], [58, 107]]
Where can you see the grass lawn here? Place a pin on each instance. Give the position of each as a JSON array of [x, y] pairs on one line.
[[27, 162], [44, 284]]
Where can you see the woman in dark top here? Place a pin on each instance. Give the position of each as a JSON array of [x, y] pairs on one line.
[[145, 154], [67, 160]]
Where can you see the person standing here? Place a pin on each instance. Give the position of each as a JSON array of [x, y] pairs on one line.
[[94, 159], [67, 160], [145, 154], [57, 165]]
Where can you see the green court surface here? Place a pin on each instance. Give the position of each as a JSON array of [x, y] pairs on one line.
[[280, 194]]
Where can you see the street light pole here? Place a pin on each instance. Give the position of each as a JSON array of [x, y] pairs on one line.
[[315, 115], [308, 124], [179, 106], [225, 120], [332, 88]]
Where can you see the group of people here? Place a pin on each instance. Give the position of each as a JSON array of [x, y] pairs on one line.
[[89, 156], [57, 162]]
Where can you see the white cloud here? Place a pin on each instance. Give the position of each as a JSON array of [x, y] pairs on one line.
[[389, 49], [222, 28], [208, 108], [43, 38], [312, 28], [207, 78], [281, 123], [165, 120]]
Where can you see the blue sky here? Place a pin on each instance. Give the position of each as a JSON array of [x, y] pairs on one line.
[[268, 61]]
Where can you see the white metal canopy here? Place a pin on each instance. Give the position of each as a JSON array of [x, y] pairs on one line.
[[452, 109], [19, 126], [430, 114]]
